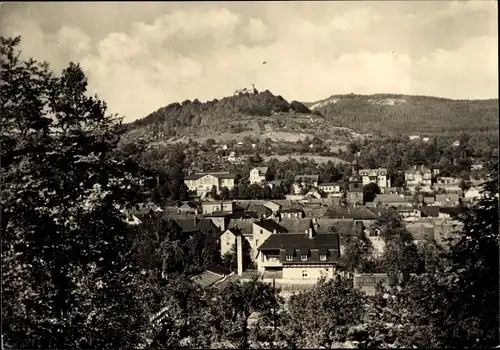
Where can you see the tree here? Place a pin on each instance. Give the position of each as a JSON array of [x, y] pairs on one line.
[[65, 249], [224, 193], [213, 193], [341, 308], [370, 191], [356, 255]]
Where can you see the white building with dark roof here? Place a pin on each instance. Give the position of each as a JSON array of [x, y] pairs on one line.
[[258, 175], [377, 176]]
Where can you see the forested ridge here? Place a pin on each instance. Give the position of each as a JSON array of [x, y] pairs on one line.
[[405, 114], [176, 117]]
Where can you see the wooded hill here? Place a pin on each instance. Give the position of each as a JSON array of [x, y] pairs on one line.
[[178, 118], [404, 114]]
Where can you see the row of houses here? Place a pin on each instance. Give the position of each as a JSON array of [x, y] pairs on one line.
[[417, 179]]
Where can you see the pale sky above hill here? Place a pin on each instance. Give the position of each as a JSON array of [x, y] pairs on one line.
[[142, 56]]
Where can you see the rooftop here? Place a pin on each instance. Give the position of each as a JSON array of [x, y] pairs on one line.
[[301, 240], [271, 225]]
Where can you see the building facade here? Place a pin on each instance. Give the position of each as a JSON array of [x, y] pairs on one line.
[[299, 257], [377, 176], [203, 182], [258, 175]]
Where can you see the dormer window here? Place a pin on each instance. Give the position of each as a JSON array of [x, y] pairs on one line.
[[289, 257], [303, 257], [322, 257]]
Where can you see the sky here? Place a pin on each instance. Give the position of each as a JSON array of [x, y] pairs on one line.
[[140, 56]]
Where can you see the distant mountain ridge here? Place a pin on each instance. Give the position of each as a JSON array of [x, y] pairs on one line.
[[407, 114]]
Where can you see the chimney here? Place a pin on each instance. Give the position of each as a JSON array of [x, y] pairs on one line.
[[274, 231], [239, 253], [310, 231]]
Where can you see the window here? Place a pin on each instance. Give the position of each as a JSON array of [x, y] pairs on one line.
[[303, 257], [322, 257], [257, 242], [304, 273], [261, 231], [289, 257]]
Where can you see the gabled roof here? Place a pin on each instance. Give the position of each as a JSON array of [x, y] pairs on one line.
[[221, 175], [271, 225], [372, 172], [343, 228], [271, 204], [452, 197], [430, 211], [292, 210], [188, 205], [382, 211], [295, 224], [452, 211], [356, 213], [390, 198], [196, 224], [340, 184], [301, 240], [262, 170], [259, 209]]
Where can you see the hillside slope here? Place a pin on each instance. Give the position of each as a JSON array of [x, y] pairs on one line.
[[260, 115], [403, 114]]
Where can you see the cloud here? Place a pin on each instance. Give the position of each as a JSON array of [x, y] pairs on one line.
[[73, 37], [312, 50]]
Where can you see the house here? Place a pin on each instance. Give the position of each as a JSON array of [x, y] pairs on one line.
[[304, 181], [188, 208], [392, 200], [392, 190], [428, 200], [260, 211], [312, 194], [472, 194], [335, 189], [214, 206], [292, 213], [299, 257], [273, 206], [414, 137], [449, 212], [378, 176], [425, 139], [232, 156], [408, 213], [356, 214], [447, 200], [368, 282], [418, 179], [477, 166], [235, 226], [262, 230], [195, 224], [429, 212], [204, 182], [211, 277], [258, 175], [449, 184]]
